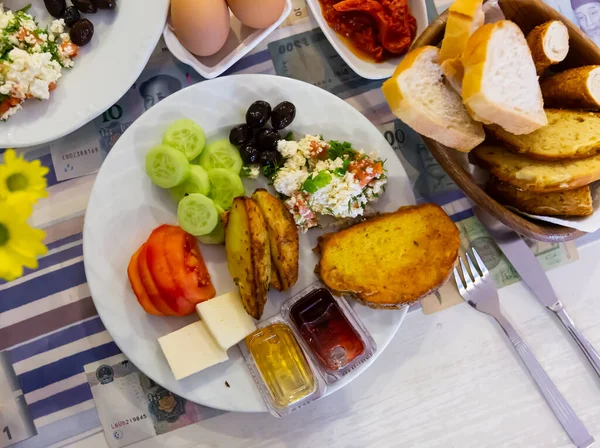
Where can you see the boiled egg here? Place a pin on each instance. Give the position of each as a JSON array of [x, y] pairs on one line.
[[202, 26], [257, 13]]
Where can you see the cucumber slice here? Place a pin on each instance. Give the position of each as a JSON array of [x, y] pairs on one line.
[[196, 182], [197, 214], [217, 236], [221, 154], [185, 136], [166, 166], [224, 186]]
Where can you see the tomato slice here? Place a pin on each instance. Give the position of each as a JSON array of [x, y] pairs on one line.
[[187, 266], [162, 272], [151, 289], [137, 285]]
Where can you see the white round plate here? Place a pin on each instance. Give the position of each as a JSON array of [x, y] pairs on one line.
[[125, 207], [104, 70]]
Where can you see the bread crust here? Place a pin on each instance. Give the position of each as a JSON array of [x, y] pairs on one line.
[[535, 40], [577, 202], [536, 176], [570, 89]]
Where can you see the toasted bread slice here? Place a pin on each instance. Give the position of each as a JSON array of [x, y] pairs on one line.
[[418, 95], [536, 175], [576, 202], [392, 259], [549, 44], [500, 84], [570, 134], [577, 88], [464, 17]]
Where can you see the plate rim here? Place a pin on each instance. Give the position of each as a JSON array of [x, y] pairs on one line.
[[86, 235], [30, 139]]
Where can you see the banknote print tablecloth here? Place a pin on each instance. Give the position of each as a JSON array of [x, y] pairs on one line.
[[49, 328]]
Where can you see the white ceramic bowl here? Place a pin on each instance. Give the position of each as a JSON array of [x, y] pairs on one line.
[[240, 42], [363, 68], [104, 71]]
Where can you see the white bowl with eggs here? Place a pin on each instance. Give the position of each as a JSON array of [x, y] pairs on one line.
[[212, 35]]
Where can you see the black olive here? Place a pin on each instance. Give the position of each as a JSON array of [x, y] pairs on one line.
[[56, 8], [71, 16], [283, 115], [85, 6], [266, 139], [240, 134], [270, 158], [105, 4], [82, 32], [258, 114], [249, 153]]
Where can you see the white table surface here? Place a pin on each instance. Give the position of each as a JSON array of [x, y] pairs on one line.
[[450, 379]]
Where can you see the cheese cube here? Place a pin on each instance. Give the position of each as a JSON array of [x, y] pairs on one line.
[[226, 319], [191, 350]]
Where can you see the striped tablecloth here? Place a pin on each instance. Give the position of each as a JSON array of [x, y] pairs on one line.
[[49, 328]]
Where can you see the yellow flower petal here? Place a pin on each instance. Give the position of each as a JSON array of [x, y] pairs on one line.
[[20, 244], [22, 180]]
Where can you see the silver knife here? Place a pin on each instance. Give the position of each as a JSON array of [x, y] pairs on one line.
[[530, 270]]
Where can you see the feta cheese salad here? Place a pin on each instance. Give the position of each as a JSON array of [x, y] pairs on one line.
[[313, 176], [31, 58]]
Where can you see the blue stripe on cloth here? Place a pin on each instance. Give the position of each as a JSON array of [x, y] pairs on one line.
[[63, 429], [444, 197], [42, 286], [65, 368], [61, 400], [57, 339], [249, 61], [70, 239], [462, 215], [54, 259]]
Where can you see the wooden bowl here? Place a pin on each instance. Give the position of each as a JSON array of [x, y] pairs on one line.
[[527, 14]]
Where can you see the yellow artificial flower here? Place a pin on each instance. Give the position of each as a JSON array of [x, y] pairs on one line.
[[22, 180], [20, 244]]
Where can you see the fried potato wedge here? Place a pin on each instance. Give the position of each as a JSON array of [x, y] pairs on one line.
[[248, 253], [283, 238]]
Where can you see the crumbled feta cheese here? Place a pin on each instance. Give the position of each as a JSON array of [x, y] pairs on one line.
[[338, 192], [5, 19], [29, 25], [57, 27], [29, 75]]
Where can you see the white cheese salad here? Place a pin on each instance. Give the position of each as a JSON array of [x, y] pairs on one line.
[[327, 178], [31, 58]]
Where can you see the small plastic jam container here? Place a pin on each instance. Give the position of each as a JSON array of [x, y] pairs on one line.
[[286, 378], [329, 331]]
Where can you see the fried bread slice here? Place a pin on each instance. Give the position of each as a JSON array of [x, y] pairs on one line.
[[392, 259]]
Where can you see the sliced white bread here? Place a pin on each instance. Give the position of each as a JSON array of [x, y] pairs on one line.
[[578, 88], [418, 96], [549, 44], [536, 175], [570, 134], [464, 17], [500, 84], [454, 72]]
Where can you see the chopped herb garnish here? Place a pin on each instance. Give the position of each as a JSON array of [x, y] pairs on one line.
[[338, 149], [245, 172], [290, 136], [271, 171], [312, 184], [25, 8], [344, 169]]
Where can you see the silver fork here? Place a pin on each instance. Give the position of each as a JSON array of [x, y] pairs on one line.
[[480, 292]]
